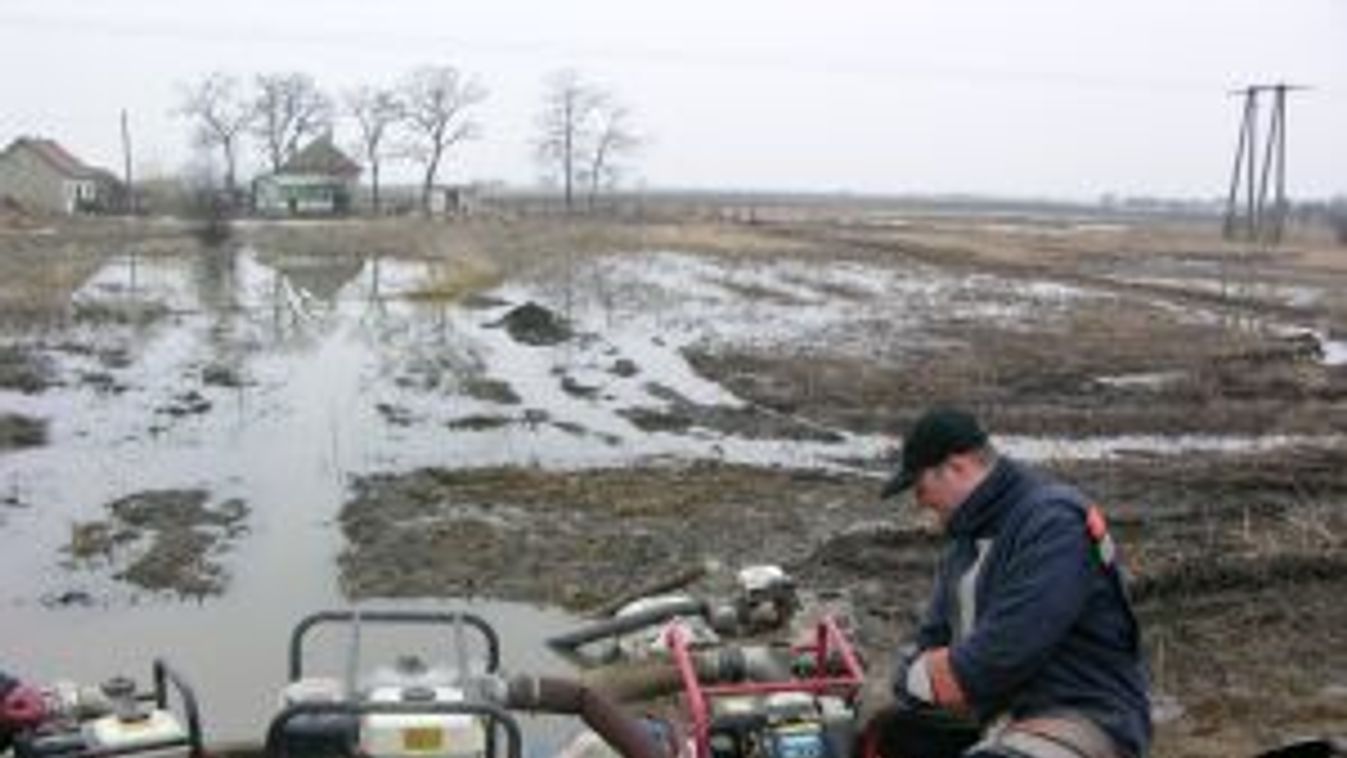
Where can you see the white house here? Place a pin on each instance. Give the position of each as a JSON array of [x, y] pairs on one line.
[[44, 177]]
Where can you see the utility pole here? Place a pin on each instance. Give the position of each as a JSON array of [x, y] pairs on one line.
[[1260, 222], [126, 161]]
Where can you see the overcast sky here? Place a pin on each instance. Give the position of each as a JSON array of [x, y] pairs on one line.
[[1043, 98]]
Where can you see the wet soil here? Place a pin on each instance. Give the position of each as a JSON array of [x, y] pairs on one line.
[[749, 422], [573, 537], [19, 431], [1063, 384], [1239, 561], [162, 541]]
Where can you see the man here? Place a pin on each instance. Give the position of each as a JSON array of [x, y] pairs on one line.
[[1029, 634], [21, 707]]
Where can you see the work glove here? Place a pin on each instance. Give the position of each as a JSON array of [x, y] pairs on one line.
[[909, 681], [912, 681], [23, 707]]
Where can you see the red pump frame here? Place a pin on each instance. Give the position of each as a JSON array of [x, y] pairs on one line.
[[828, 637]]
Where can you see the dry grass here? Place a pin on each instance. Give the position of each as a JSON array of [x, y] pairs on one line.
[[510, 244], [455, 279], [1305, 246]]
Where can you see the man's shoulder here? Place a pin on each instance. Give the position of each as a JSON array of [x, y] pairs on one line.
[[1047, 506]]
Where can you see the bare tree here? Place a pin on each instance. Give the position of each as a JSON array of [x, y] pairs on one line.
[[564, 125], [287, 108], [375, 110], [437, 101], [584, 132], [613, 139], [221, 115]]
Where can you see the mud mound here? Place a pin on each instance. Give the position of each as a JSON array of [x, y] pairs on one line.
[[221, 375], [532, 324], [490, 390], [162, 540], [189, 403], [24, 369], [17, 431]]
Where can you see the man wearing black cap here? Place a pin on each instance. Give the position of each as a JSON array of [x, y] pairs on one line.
[[1029, 634]]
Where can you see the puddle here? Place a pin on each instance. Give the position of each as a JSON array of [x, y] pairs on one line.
[[1142, 380], [1335, 352], [853, 308], [1293, 295]]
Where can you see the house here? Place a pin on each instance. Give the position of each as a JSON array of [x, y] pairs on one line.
[[318, 180], [43, 177]]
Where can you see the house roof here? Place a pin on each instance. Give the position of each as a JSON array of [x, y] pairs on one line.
[[60, 159], [321, 157]]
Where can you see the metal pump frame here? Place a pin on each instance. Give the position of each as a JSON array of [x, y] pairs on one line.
[[828, 641]]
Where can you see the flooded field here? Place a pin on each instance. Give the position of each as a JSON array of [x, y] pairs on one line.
[[198, 447]]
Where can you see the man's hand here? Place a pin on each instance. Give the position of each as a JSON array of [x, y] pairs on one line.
[[926, 678], [22, 708]]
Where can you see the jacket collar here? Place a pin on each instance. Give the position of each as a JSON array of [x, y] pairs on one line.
[[981, 512]]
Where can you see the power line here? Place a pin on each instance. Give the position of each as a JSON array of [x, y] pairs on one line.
[[366, 40]]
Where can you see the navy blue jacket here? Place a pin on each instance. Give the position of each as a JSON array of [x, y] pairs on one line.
[[1051, 626], [7, 683]]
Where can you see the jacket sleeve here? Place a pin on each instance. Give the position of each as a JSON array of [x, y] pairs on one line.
[[934, 630], [1038, 594]]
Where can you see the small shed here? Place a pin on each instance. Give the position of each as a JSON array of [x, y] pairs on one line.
[[319, 180], [42, 176], [453, 200]]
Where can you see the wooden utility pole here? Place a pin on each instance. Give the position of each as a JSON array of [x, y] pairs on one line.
[[126, 165], [1261, 222]]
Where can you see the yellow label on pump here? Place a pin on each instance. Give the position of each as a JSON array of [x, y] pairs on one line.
[[423, 739]]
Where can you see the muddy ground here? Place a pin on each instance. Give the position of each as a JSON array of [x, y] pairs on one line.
[[1239, 558], [166, 540], [1239, 563]]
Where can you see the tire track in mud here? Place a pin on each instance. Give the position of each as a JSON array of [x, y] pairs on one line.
[[968, 259]]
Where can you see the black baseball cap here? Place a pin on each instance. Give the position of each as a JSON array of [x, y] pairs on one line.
[[938, 434]]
